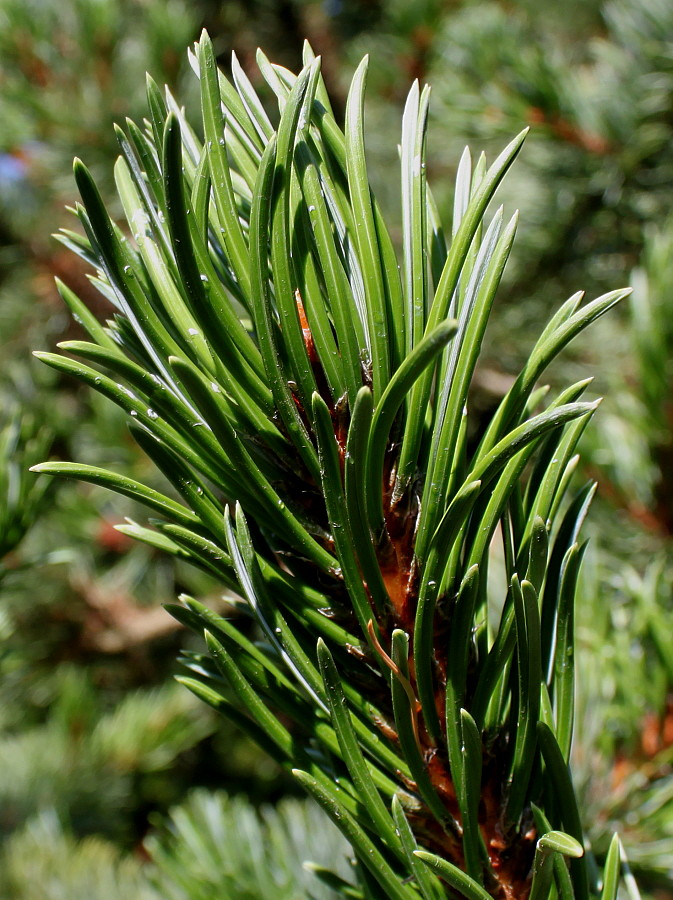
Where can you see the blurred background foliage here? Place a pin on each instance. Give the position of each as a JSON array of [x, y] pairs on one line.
[[113, 781]]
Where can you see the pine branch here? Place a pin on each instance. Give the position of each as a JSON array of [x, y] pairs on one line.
[[307, 398]]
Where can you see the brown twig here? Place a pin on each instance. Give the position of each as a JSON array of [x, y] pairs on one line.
[[406, 684]]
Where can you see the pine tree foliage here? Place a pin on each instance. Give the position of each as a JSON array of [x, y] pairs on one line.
[[21, 497], [636, 433], [67, 70], [94, 761], [598, 166], [43, 860], [210, 845], [215, 845], [623, 744], [305, 391], [624, 739]]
